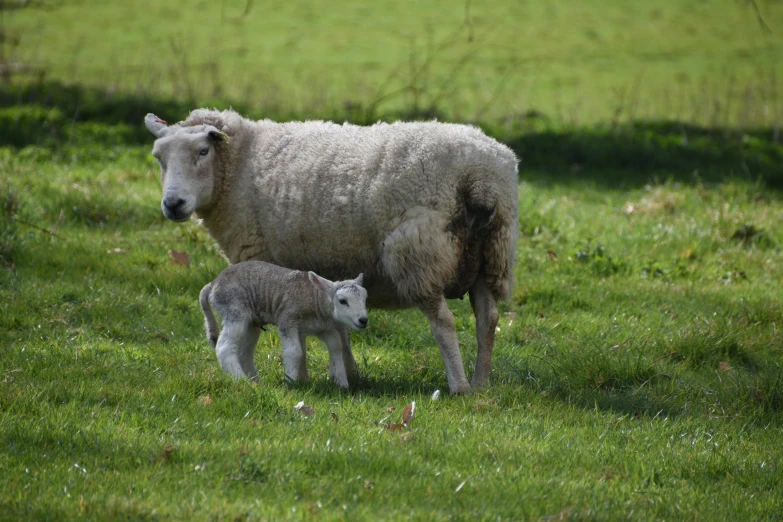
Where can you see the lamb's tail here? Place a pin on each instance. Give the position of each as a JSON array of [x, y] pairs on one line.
[[210, 323]]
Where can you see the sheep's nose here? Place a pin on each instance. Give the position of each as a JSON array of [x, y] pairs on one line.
[[363, 321], [173, 204]]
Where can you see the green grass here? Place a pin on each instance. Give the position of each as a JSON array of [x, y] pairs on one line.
[[637, 369]]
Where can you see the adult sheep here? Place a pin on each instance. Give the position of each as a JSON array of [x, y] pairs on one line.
[[426, 210]]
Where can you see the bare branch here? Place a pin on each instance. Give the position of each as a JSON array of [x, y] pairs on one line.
[[760, 18]]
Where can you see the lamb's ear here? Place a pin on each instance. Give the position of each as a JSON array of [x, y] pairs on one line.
[[156, 126], [215, 135], [320, 282], [359, 280]]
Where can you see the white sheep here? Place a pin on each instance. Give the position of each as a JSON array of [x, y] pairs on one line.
[[252, 294], [426, 210]]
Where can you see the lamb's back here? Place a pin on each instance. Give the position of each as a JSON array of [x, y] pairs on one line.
[[266, 291]]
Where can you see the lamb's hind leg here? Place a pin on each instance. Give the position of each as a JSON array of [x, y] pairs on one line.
[[229, 347], [442, 324], [247, 353], [486, 311], [294, 357]]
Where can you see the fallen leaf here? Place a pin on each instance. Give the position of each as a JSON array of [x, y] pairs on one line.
[[180, 258], [726, 367], [116, 251], [409, 413], [334, 417], [629, 209], [205, 400], [304, 409], [167, 454], [552, 254]]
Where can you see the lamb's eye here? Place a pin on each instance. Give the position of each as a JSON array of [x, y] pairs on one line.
[[204, 151], [342, 301]]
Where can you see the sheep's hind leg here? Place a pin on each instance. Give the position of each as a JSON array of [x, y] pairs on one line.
[[229, 348], [248, 350], [486, 311], [442, 324], [337, 370], [294, 357]]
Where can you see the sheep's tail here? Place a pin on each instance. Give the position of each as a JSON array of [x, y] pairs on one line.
[[501, 229], [210, 323]]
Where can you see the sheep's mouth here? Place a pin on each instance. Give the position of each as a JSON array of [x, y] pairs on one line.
[[177, 217], [360, 326]]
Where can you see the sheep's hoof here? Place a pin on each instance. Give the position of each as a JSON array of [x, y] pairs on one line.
[[462, 390], [479, 383]]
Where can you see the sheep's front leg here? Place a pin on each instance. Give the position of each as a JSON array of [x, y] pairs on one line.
[[247, 352], [486, 311], [229, 347], [351, 369], [294, 357], [442, 324], [334, 343]]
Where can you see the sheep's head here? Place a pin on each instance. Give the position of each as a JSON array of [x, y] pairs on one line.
[[349, 300], [187, 165]]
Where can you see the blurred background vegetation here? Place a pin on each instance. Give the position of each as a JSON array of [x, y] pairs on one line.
[[608, 90]]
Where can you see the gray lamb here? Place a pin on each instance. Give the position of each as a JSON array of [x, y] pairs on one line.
[[252, 294]]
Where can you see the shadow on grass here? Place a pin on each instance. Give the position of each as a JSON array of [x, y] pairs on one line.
[[54, 115]]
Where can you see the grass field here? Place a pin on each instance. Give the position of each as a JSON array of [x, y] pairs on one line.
[[637, 370]]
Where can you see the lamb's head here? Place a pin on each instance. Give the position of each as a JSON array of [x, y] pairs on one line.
[[349, 300], [187, 165]]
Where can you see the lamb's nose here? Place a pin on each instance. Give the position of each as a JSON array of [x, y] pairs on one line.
[[363, 321]]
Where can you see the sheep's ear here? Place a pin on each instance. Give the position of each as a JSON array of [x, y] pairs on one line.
[[320, 282], [359, 280], [156, 126], [216, 135]]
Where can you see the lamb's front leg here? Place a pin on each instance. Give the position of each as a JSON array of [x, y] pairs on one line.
[[334, 343], [442, 324], [294, 357], [351, 369], [229, 348]]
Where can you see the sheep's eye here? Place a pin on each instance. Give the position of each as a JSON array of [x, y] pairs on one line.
[[342, 301], [204, 151]]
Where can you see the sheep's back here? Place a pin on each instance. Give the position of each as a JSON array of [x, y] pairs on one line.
[[327, 195]]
